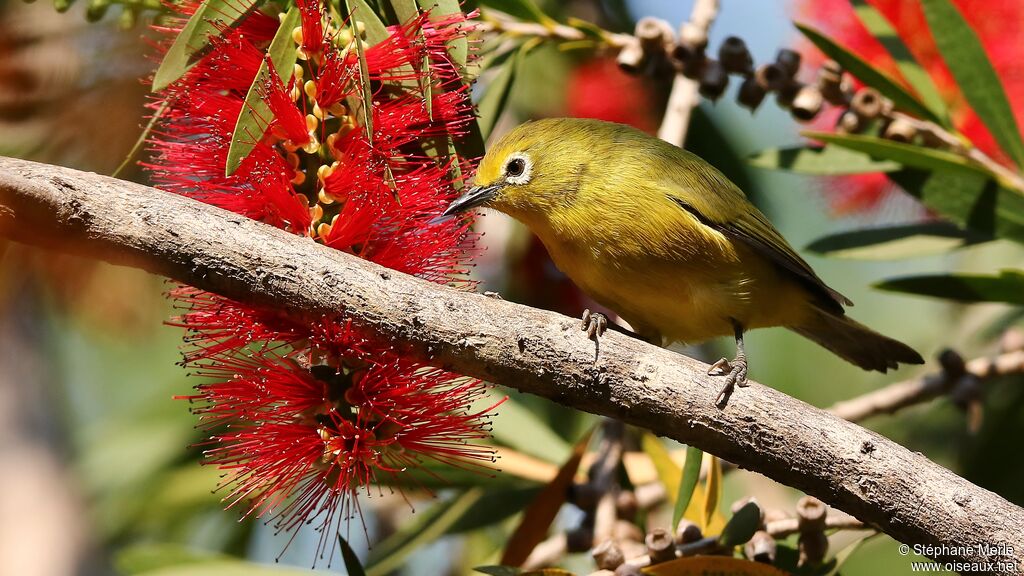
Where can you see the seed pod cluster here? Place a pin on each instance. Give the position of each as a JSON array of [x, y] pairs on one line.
[[656, 49]]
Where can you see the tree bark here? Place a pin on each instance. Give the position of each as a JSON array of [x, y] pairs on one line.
[[856, 470]]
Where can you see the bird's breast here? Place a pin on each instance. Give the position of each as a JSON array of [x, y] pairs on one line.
[[684, 285]]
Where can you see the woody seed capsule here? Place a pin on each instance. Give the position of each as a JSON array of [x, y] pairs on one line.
[[751, 93], [734, 56], [806, 104], [867, 103], [714, 80]]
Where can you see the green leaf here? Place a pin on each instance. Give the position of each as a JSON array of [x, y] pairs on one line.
[[965, 56], [493, 507], [741, 527], [194, 39], [389, 555], [908, 155], [145, 558], [405, 10], [493, 102], [373, 26], [521, 9], [869, 75], [1008, 287], [352, 565], [538, 516], [458, 47], [896, 241], [827, 161], [249, 127], [912, 72], [972, 201], [523, 430], [498, 570], [687, 483]]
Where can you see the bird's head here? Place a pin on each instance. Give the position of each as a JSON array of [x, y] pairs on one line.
[[534, 170]]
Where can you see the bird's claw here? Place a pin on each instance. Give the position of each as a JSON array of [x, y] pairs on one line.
[[735, 373], [594, 324]]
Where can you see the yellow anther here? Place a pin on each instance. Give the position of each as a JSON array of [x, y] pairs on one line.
[[295, 93], [297, 35], [313, 146], [299, 178], [323, 230], [316, 212], [310, 89], [298, 72], [324, 172], [311, 123], [318, 112], [338, 110], [325, 197]]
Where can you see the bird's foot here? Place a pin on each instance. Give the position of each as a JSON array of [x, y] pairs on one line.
[[735, 373], [594, 324]]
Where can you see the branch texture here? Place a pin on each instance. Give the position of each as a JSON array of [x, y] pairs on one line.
[[856, 470]]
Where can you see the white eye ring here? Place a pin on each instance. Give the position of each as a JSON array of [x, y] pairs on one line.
[[518, 168]]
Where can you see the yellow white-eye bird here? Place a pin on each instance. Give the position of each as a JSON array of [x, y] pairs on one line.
[[665, 240]]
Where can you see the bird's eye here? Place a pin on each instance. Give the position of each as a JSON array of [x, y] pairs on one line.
[[515, 167]]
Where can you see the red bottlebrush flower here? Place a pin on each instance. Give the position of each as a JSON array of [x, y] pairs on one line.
[[304, 415], [996, 23], [599, 89]]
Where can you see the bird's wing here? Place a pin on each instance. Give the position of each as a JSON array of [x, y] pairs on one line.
[[717, 203]]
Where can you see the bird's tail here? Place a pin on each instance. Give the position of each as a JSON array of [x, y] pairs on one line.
[[856, 343]]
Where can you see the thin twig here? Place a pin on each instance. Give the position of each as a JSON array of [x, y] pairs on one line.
[[858, 471], [685, 96], [900, 395]]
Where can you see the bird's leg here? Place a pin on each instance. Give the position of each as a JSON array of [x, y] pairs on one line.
[[735, 371], [594, 324]]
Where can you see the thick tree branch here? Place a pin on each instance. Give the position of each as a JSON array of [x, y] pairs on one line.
[[854, 469]]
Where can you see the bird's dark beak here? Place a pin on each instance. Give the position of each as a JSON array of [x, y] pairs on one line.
[[475, 196]]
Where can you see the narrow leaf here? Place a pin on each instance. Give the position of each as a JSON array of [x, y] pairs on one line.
[[687, 483], [254, 118], [869, 75], [741, 527], [972, 201], [896, 241], [498, 570], [405, 10], [537, 518], [493, 507], [521, 9], [389, 555], [373, 26], [1008, 287], [526, 432], [978, 81], [194, 39], [919, 79], [908, 155], [353, 567], [493, 102], [708, 565], [458, 48], [826, 161], [712, 496]]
